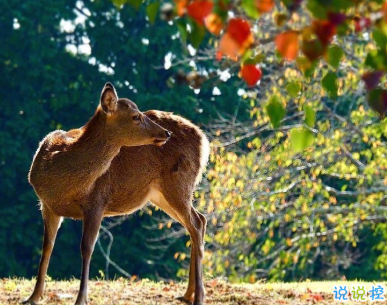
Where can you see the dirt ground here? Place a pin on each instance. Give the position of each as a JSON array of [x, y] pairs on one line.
[[144, 292]]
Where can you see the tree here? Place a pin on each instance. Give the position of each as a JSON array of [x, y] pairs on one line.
[[295, 190]]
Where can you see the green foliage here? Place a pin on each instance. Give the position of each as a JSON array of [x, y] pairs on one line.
[[275, 110], [119, 3], [152, 10], [301, 138], [250, 9], [135, 3], [294, 89], [335, 56], [197, 34], [329, 83], [305, 215], [310, 115]]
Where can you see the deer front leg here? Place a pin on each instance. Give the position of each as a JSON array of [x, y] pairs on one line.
[[51, 226], [91, 224]]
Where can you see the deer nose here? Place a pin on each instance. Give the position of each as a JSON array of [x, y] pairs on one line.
[[168, 134]]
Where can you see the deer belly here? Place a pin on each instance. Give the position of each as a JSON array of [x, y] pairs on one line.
[[130, 203]]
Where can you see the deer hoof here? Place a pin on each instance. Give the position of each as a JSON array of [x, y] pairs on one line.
[[29, 301], [182, 299]]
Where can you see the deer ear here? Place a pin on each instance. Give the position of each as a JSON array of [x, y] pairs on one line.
[[109, 98]]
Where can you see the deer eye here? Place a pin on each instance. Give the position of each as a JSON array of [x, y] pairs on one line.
[[136, 118]]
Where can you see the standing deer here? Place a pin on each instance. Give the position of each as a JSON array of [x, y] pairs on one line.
[[116, 163]]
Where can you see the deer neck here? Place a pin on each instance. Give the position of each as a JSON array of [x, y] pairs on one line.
[[94, 150]]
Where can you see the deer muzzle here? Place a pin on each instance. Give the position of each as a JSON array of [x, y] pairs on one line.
[[162, 140]]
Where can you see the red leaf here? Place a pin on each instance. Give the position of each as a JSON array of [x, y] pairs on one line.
[[200, 9], [224, 5], [372, 79], [181, 7], [287, 45], [325, 30], [377, 100], [362, 24], [239, 30], [237, 39], [218, 55], [228, 47], [337, 18], [264, 6], [251, 74], [317, 297]]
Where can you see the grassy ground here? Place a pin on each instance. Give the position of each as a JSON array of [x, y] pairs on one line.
[[124, 292]]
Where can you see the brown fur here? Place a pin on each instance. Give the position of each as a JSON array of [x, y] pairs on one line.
[[106, 168]]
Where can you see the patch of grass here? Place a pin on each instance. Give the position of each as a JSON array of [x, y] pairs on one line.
[[145, 292]]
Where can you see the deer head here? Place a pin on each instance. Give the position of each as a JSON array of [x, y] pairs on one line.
[[126, 124]]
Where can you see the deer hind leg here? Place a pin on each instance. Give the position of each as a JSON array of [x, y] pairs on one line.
[[190, 292], [196, 229], [194, 222], [51, 225], [91, 224]]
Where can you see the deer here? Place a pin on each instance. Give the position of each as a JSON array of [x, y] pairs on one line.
[[120, 160]]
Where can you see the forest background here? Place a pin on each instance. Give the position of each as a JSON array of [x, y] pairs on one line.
[[296, 184]]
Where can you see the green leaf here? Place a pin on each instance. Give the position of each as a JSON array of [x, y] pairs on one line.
[[306, 67], [249, 59], [182, 28], [135, 3], [250, 8], [310, 115], [335, 55], [294, 89], [119, 3], [329, 83], [376, 59], [275, 110], [380, 38], [247, 56], [197, 34], [338, 5], [317, 9], [257, 142], [287, 2], [301, 138], [377, 100], [151, 11]]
